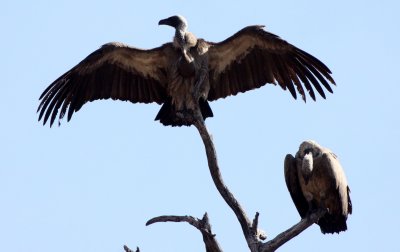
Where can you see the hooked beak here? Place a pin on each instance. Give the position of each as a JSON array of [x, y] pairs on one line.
[[163, 22]]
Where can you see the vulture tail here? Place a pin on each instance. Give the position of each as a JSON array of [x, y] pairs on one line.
[[169, 116], [332, 223], [205, 109]]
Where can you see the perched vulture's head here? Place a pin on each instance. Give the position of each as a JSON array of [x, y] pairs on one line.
[[307, 147], [178, 22]]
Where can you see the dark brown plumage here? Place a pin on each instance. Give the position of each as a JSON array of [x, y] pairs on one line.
[[315, 179], [186, 74]]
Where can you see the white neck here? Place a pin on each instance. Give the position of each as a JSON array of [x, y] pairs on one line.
[[307, 165]]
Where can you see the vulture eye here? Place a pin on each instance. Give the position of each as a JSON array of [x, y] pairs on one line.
[[308, 150]]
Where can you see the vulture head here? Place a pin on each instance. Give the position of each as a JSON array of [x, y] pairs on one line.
[[308, 151], [177, 21], [309, 147]]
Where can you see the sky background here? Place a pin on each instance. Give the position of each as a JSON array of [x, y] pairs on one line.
[[91, 184]]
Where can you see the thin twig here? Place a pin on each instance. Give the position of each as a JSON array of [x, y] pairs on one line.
[[174, 218], [260, 234], [202, 225]]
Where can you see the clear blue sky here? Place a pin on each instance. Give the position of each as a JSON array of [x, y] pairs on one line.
[[91, 184]]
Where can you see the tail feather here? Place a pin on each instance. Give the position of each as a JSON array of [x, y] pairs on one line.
[[332, 223], [168, 115], [205, 109]]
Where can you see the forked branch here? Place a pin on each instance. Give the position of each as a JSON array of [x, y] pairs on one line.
[[203, 225]]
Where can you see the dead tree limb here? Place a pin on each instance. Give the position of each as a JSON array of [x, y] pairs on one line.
[[292, 232], [249, 232], [203, 225]]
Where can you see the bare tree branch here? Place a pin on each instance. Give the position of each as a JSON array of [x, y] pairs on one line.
[[292, 232], [203, 225], [251, 237]]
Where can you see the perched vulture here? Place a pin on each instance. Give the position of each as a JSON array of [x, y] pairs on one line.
[[315, 179], [185, 74]]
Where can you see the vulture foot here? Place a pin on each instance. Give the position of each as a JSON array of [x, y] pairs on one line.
[[316, 211]]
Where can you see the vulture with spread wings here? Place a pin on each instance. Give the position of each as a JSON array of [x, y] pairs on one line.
[[185, 74]]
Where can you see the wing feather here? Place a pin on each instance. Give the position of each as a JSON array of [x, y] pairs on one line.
[[309, 70], [300, 70], [254, 57], [284, 75], [293, 185], [314, 69], [114, 71]]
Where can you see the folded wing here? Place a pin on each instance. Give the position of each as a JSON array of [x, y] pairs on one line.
[[293, 185]]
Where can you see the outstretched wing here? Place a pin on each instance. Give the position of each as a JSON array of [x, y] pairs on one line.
[[253, 57], [114, 71], [293, 185]]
